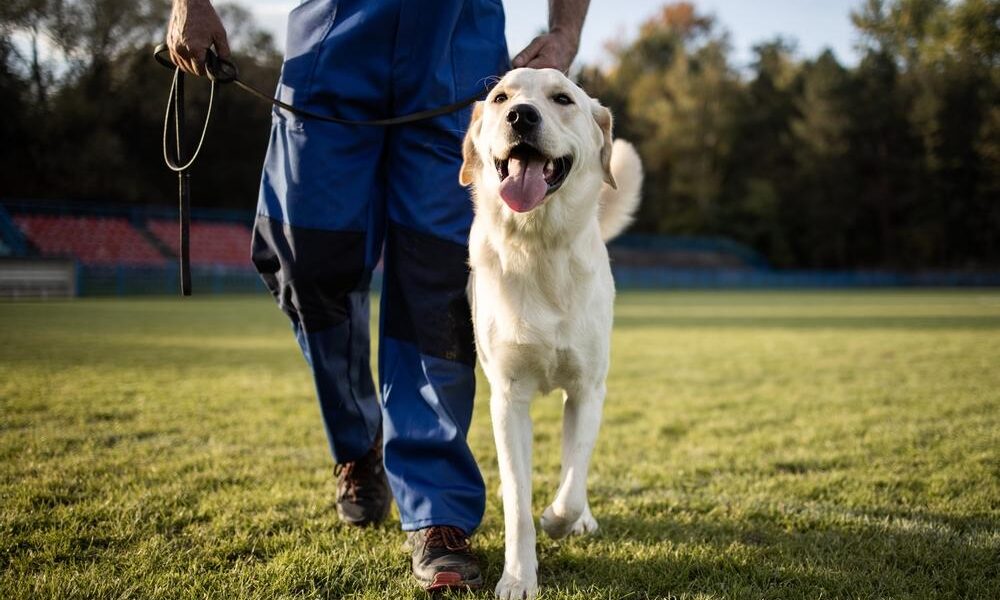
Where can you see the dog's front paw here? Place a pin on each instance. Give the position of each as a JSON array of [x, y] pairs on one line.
[[517, 588], [586, 524]]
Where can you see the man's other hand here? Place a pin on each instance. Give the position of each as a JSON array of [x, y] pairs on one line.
[[194, 28], [552, 50]]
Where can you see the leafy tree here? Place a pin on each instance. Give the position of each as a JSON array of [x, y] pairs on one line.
[[947, 57], [820, 213], [677, 92], [758, 188], [14, 127]]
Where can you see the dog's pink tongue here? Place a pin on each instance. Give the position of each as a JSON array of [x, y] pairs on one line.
[[525, 187]]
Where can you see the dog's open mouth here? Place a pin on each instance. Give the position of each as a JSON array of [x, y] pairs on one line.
[[527, 176]]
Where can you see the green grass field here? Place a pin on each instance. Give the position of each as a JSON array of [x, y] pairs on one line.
[[755, 445]]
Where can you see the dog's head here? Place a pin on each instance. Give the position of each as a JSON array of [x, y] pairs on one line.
[[535, 134]]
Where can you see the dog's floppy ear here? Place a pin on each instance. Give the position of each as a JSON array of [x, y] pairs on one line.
[[470, 158], [603, 117]]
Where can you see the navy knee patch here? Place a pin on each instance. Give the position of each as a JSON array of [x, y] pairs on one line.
[[309, 271], [425, 300]]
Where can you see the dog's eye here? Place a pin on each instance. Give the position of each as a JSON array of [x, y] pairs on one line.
[[500, 98], [562, 99]]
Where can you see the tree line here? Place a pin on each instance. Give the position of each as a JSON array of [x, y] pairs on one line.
[[894, 162], [890, 163]]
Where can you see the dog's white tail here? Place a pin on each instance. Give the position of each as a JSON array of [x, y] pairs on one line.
[[617, 207]]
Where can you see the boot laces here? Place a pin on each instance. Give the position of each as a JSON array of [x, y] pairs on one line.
[[446, 536], [346, 474]]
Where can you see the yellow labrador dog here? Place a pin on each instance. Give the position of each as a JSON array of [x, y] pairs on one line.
[[550, 188]]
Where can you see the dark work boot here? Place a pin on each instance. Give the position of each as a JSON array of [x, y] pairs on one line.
[[443, 559], [363, 494]]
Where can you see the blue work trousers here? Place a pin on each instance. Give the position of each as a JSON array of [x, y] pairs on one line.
[[336, 198]]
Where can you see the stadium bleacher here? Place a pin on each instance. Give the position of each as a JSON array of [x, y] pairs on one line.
[[212, 243], [90, 240], [50, 248], [123, 250]]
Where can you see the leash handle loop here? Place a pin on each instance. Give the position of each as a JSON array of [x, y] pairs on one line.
[[174, 100]]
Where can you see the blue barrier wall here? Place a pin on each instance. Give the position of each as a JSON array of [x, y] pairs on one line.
[[145, 281], [128, 281]]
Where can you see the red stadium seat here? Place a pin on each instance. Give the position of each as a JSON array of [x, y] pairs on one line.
[[91, 240], [212, 243]]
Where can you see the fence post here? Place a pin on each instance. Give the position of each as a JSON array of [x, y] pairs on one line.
[[77, 279]]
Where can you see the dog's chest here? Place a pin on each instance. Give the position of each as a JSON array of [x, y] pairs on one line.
[[548, 322], [542, 305]]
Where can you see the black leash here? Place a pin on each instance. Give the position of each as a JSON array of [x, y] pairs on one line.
[[221, 70]]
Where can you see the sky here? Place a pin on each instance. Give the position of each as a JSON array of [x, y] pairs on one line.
[[813, 24]]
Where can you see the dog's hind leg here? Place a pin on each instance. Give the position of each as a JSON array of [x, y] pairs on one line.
[[509, 404], [570, 511]]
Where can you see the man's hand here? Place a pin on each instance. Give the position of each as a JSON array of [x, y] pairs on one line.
[[194, 28], [557, 48], [552, 50]]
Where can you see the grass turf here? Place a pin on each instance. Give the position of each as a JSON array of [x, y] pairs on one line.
[[755, 445]]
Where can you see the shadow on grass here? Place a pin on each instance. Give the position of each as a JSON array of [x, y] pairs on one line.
[[869, 554]]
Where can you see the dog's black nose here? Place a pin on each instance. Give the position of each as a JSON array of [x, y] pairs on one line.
[[523, 118]]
